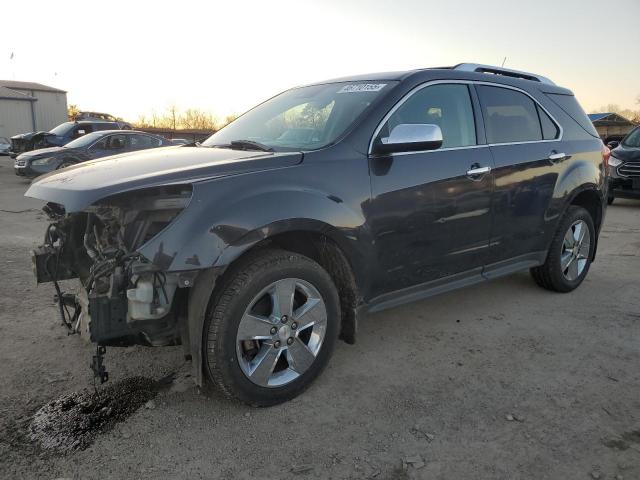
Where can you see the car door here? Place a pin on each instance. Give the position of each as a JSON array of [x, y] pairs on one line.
[[430, 210], [523, 140]]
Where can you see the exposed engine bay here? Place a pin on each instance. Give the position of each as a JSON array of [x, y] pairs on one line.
[[122, 298]]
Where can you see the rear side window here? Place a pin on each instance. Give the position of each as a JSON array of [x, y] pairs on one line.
[[445, 105], [144, 141], [549, 129], [509, 116], [571, 107]]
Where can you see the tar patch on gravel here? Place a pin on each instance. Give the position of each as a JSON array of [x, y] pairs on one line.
[[72, 421]]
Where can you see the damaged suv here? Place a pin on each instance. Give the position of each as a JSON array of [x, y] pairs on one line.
[[259, 248]]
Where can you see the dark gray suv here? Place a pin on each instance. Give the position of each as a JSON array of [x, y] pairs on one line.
[[260, 247]]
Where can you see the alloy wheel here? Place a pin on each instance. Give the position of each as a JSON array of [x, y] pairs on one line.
[[575, 250], [281, 332]]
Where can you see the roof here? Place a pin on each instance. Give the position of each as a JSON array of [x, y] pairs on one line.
[[609, 117], [7, 93], [472, 72], [15, 85]]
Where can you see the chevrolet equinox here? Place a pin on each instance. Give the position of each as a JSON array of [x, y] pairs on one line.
[[260, 247]]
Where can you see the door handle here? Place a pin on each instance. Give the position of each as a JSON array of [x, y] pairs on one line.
[[557, 157], [475, 171]]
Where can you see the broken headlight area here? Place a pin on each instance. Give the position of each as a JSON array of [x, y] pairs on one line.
[[123, 298]]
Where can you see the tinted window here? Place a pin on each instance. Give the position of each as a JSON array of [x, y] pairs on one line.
[[143, 141], [509, 116], [571, 107], [633, 139], [81, 130], [448, 106], [111, 142], [549, 128]]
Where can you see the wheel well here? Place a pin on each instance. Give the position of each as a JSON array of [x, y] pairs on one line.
[[590, 201], [326, 252]]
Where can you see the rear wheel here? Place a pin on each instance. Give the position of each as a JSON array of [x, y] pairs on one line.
[[271, 327], [570, 253]]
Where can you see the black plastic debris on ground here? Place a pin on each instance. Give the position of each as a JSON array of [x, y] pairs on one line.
[[72, 421]]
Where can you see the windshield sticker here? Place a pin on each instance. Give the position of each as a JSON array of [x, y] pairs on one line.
[[362, 87]]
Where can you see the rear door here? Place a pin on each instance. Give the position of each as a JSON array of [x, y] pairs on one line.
[[430, 214], [524, 142]]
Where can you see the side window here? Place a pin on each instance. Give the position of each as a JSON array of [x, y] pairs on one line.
[[509, 116], [100, 144], [143, 141], [81, 130], [116, 142], [445, 105], [549, 129]]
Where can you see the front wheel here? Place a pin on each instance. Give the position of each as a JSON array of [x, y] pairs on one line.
[[65, 164], [570, 253], [271, 327]]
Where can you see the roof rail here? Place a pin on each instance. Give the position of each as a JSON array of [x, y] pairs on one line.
[[474, 67]]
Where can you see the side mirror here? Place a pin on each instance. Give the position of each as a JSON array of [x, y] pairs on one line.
[[410, 137], [613, 144]]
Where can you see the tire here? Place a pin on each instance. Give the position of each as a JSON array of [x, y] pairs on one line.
[[610, 199], [65, 164], [551, 275], [262, 372]]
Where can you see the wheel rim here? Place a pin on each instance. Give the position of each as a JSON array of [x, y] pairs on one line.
[[281, 332], [575, 250]]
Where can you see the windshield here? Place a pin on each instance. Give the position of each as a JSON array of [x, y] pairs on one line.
[[62, 129], [633, 139], [305, 118], [85, 140]]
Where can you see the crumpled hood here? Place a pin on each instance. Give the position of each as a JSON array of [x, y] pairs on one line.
[[29, 135], [79, 186]]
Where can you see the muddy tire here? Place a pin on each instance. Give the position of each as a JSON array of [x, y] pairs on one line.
[[271, 327], [570, 253]]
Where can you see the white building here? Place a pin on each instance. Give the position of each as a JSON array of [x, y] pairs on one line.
[[30, 107]]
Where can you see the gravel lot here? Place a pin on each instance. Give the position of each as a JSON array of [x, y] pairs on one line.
[[498, 381]]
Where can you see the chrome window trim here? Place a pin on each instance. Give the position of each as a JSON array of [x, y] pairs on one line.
[[478, 145]]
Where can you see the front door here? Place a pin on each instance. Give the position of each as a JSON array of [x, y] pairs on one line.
[[430, 211]]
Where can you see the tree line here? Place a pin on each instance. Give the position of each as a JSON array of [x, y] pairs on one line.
[[173, 118]]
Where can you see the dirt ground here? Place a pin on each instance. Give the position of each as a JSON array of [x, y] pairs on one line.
[[498, 381]]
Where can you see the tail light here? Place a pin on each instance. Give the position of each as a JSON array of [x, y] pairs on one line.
[[606, 153]]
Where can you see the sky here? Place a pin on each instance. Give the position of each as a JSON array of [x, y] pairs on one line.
[[133, 58]]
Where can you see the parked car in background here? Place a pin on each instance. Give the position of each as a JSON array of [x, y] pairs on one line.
[[180, 141], [624, 167], [257, 249], [61, 135], [99, 116], [5, 145], [88, 147]]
